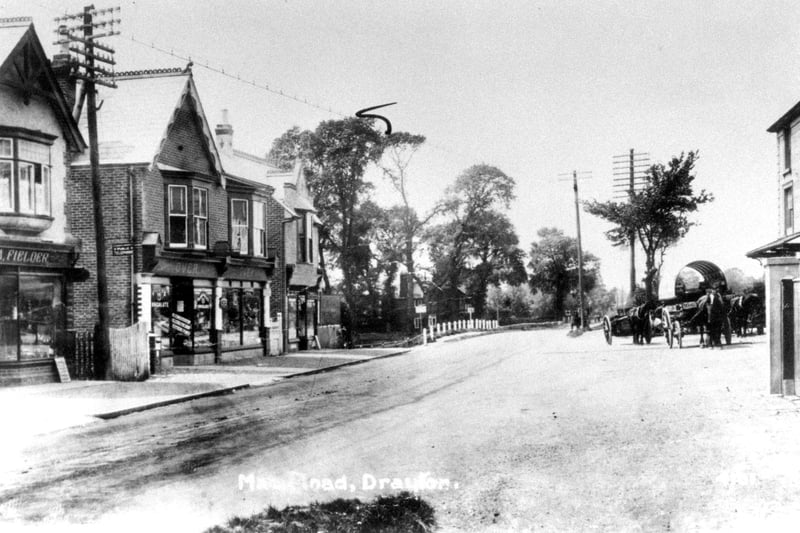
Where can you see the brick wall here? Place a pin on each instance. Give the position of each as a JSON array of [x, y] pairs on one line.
[[80, 219], [274, 241]]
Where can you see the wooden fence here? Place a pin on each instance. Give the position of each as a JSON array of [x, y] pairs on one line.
[[130, 353]]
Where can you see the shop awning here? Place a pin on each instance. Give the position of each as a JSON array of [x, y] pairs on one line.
[[785, 246]]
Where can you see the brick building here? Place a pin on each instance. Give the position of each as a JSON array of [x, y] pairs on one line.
[[299, 269], [202, 257], [38, 280]]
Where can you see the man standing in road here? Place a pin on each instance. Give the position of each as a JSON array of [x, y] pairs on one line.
[[711, 310]]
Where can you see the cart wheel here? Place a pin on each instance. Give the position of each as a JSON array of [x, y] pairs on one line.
[[666, 323], [677, 331], [726, 330], [648, 329], [607, 329]]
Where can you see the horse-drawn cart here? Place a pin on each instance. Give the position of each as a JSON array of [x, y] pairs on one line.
[[677, 316]]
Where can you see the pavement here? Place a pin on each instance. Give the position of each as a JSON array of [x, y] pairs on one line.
[[50, 407]]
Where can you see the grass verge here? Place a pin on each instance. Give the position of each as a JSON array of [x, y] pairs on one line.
[[399, 513]]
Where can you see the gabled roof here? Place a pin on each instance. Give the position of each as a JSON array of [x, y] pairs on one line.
[[25, 67], [135, 118], [299, 197]]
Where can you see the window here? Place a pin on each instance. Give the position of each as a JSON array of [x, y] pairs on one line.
[[259, 233], [24, 177], [177, 216], [310, 226], [239, 235], [32, 314], [200, 217], [788, 210], [301, 240], [241, 316], [787, 148]]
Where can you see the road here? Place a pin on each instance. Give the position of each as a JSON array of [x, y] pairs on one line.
[[527, 430]]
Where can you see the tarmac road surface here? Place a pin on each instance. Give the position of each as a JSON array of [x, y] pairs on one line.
[[525, 430]]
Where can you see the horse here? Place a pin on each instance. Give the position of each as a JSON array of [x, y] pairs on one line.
[[639, 318], [743, 309]]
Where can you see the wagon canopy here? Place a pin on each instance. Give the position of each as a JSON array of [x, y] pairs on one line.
[[693, 278]]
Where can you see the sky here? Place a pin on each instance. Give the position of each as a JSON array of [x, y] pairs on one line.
[[537, 89]]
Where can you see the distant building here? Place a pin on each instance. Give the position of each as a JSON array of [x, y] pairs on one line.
[[38, 251], [782, 262]]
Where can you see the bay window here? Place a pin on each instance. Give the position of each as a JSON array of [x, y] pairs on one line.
[[24, 176], [187, 227]]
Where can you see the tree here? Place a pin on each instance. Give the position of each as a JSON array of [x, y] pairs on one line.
[[658, 215], [510, 300], [494, 252], [399, 150], [336, 155], [554, 267], [477, 191]]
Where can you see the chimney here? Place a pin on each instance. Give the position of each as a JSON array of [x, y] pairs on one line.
[[224, 133], [62, 67]]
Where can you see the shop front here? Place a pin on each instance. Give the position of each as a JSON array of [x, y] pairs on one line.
[[302, 319], [33, 318], [208, 317]]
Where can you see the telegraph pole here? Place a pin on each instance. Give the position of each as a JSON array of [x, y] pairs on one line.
[[84, 44], [580, 248], [630, 176]]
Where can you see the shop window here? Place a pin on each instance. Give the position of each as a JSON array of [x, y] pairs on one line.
[[177, 216], [24, 177], [31, 316], [200, 217], [291, 317], [231, 318], [239, 226], [241, 317], [259, 229], [9, 330], [160, 298], [201, 325], [251, 316]]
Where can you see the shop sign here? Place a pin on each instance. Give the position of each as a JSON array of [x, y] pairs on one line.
[[23, 257], [170, 267], [122, 249]]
